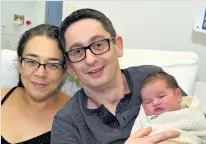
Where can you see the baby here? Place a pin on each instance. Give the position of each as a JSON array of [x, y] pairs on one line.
[[163, 108]]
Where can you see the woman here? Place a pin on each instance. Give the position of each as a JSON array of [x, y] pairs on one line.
[[29, 108]]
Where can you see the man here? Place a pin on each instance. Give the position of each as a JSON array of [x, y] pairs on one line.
[[104, 110]]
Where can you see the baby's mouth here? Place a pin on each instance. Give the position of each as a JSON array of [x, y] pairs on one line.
[[159, 109]]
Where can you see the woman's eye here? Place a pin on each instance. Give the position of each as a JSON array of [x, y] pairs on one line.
[[30, 62], [54, 66]]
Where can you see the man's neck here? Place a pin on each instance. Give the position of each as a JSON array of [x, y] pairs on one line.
[[110, 95]]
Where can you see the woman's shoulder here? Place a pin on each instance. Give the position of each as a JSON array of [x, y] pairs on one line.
[[4, 91], [64, 97]]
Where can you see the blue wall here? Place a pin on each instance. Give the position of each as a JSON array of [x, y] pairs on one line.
[[53, 12]]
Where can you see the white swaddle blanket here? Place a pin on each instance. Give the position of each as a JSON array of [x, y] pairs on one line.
[[190, 122]]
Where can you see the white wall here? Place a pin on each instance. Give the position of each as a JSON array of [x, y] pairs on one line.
[[32, 10], [152, 24]]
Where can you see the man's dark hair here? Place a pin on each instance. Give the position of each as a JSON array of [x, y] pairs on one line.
[[169, 79], [87, 13]]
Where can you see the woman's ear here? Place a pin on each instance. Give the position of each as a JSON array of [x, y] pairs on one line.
[[69, 67], [19, 65]]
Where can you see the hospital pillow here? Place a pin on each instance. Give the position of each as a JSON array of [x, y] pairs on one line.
[[181, 64], [9, 72]]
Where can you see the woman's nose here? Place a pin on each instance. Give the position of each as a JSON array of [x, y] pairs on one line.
[[40, 71]]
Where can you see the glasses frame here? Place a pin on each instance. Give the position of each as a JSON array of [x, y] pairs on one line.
[[44, 65], [89, 47]]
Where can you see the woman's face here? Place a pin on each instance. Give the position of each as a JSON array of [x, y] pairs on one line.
[[41, 81]]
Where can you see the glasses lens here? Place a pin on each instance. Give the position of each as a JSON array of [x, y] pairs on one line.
[[33, 65], [54, 66], [76, 54], [100, 47], [30, 62], [96, 48]]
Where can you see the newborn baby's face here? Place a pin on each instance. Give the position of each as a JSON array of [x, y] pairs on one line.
[[158, 97]]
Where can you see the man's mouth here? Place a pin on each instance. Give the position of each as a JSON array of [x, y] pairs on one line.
[[96, 72]]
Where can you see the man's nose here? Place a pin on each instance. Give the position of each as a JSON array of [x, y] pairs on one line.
[[90, 57]]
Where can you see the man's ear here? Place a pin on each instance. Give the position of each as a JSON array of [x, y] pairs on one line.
[[64, 74], [179, 94], [119, 45], [69, 66]]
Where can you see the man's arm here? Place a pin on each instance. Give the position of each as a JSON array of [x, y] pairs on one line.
[[64, 133], [141, 137]]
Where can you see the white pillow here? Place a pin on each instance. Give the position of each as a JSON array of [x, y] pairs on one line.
[[9, 73], [181, 64]]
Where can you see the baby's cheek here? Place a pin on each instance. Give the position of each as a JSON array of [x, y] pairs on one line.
[[148, 110]]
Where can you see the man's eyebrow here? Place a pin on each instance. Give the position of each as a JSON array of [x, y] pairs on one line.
[[79, 44], [96, 37], [76, 45]]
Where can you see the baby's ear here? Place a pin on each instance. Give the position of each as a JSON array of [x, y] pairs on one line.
[[179, 94]]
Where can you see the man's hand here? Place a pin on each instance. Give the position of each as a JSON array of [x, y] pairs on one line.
[[142, 137]]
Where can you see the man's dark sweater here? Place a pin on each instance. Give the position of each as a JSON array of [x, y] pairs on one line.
[[76, 124]]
